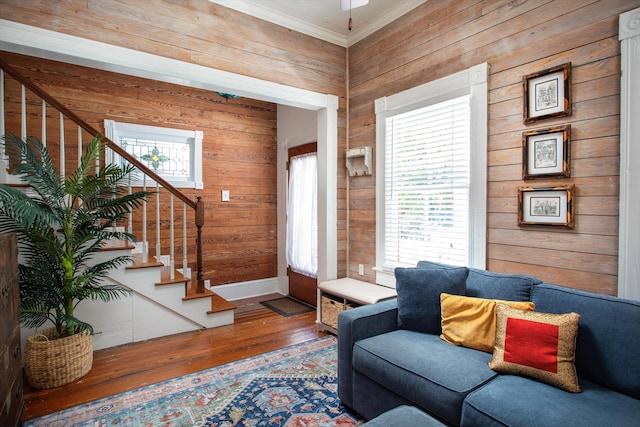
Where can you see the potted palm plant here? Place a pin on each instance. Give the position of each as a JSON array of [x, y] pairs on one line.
[[60, 223]]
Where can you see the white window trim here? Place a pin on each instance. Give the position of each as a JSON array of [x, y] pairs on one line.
[[629, 228], [113, 129], [474, 82]]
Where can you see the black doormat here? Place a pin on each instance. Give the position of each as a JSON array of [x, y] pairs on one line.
[[287, 306]]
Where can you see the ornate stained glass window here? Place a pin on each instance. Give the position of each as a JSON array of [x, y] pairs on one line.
[[174, 154]]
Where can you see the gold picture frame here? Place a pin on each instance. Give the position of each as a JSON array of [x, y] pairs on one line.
[[546, 206], [546, 153], [547, 93]]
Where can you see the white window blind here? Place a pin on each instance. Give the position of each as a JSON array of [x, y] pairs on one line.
[[427, 176]]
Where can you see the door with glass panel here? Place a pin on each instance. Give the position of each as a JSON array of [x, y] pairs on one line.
[[302, 223]]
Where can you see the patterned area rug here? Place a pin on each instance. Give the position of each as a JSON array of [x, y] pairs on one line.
[[287, 306], [294, 387]]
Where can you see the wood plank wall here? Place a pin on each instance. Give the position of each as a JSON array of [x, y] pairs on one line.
[[438, 38], [238, 154], [516, 38], [239, 135]]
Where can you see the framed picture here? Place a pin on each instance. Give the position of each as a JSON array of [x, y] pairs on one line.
[[547, 94], [546, 153], [546, 206]]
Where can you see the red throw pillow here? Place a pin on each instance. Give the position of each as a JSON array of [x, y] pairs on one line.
[[537, 345]]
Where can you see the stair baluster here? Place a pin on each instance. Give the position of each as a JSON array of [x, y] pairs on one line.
[[172, 262]]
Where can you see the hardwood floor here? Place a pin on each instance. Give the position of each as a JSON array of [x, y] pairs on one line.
[[256, 330]]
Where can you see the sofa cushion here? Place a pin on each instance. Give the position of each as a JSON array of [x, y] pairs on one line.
[[372, 399], [491, 285], [471, 322], [510, 287], [419, 295], [404, 415], [431, 264], [608, 335], [538, 345], [511, 400], [423, 369]]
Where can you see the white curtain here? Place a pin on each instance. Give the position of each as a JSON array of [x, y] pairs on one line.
[[302, 216]]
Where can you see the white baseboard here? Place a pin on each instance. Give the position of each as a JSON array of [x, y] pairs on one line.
[[250, 289]]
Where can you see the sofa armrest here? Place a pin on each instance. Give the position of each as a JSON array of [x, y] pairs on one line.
[[357, 324]]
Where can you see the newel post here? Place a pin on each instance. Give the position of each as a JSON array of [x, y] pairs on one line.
[[199, 224]]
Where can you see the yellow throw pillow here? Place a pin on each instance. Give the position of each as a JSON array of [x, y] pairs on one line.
[[471, 322]]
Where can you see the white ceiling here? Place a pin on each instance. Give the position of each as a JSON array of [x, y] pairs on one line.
[[324, 19]]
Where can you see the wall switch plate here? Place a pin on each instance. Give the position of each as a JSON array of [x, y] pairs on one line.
[[225, 195], [207, 284], [361, 269]]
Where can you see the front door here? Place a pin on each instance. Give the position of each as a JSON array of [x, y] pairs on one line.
[[302, 223]]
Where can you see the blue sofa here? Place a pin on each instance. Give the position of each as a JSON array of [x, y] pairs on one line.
[[383, 364]]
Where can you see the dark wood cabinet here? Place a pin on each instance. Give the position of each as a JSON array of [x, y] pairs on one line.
[[10, 355]]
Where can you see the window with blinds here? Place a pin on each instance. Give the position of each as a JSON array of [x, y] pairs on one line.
[[427, 177]]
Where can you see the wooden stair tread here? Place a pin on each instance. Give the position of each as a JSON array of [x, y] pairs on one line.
[[219, 304], [191, 293], [117, 245], [165, 277], [137, 262]]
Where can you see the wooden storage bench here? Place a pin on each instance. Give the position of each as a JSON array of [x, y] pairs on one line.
[[338, 295]]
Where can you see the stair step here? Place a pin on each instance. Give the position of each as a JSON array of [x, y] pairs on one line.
[[117, 245], [219, 304], [191, 293], [165, 277], [137, 262]]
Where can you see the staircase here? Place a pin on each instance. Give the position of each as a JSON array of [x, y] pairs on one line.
[[164, 300], [159, 305]]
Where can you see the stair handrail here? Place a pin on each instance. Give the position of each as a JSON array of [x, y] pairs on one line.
[[197, 205]]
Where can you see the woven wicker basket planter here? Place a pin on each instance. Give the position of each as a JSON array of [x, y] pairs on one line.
[[50, 362]]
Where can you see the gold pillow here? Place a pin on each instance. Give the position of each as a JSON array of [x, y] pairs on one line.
[[471, 322], [541, 346]]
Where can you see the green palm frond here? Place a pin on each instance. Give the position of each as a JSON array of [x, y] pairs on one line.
[[24, 211], [36, 168]]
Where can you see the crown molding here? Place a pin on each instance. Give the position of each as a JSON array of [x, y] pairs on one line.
[[284, 20], [388, 17], [42, 43], [298, 24]]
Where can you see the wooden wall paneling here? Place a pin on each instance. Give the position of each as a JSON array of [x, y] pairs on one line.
[[436, 39], [556, 258], [577, 279], [461, 46], [199, 32], [515, 39], [540, 237], [240, 236], [591, 186], [185, 33]]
